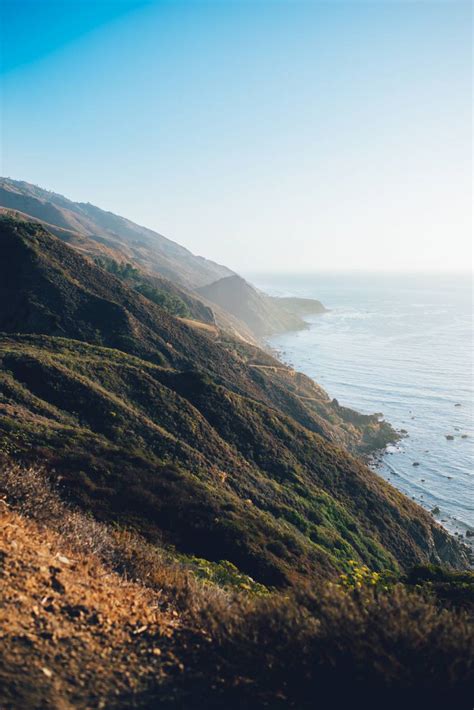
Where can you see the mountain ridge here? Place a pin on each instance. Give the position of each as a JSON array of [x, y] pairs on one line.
[[103, 234], [148, 247]]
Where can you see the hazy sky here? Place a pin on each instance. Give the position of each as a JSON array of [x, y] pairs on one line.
[[267, 135]]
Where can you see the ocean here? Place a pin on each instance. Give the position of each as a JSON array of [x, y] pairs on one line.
[[401, 345]]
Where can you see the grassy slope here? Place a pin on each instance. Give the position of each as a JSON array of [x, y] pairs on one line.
[[178, 436], [77, 632], [48, 288]]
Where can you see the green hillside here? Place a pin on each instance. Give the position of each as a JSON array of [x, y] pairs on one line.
[[157, 426]]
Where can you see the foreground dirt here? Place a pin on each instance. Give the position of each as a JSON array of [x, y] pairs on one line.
[[73, 634]]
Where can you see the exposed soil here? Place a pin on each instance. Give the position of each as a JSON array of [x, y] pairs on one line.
[[73, 634]]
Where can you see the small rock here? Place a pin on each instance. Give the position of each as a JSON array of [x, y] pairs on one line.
[[64, 560], [415, 463], [457, 404], [469, 533], [449, 437], [48, 673], [464, 436], [156, 651], [436, 510]]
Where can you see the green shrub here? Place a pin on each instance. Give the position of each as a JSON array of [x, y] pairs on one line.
[[168, 301]]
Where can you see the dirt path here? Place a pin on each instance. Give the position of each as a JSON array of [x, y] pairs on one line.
[[273, 368]]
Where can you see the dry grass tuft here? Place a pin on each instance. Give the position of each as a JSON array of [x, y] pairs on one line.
[[33, 494]]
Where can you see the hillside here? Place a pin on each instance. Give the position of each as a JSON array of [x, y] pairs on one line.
[[93, 617], [213, 293], [79, 222], [47, 287], [182, 525], [186, 438], [262, 314], [113, 239]]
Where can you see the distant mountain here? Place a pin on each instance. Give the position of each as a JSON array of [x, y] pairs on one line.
[[80, 221], [262, 314], [192, 438]]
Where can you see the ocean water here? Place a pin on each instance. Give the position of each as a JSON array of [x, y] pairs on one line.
[[401, 345]]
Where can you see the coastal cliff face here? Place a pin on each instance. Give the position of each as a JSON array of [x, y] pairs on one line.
[[193, 438]]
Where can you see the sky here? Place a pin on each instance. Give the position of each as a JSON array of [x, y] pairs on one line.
[[268, 135]]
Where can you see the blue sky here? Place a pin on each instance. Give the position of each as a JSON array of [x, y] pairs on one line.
[[268, 135]]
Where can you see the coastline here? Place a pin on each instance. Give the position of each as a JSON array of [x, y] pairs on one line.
[[382, 436], [379, 459]]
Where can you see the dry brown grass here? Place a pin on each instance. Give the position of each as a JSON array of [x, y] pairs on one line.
[[32, 493], [331, 648], [387, 648], [72, 631]]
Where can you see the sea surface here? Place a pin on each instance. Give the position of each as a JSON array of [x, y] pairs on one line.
[[401, 345]]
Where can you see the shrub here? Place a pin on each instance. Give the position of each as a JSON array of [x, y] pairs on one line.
[[338, 647], [168, 301]]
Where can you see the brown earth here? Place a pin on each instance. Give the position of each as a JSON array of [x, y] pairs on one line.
[[73, 634]]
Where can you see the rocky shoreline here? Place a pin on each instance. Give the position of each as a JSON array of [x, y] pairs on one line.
[[376, 460]]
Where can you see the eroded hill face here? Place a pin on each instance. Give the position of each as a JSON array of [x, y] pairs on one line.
[[193, 439]]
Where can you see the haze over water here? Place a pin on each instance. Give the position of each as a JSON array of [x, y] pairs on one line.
[[401, 345]]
